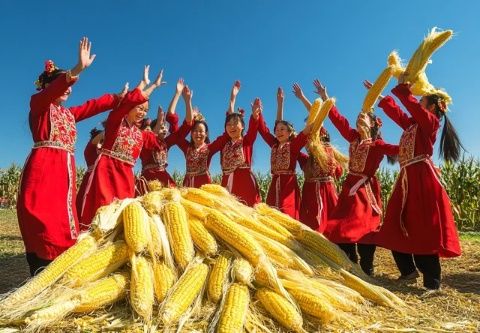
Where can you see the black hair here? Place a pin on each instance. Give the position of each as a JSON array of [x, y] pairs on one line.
[[450, 145], [237, 117], [198, 122], [375, 129], [47, 78], [325, 138], [94, 132]]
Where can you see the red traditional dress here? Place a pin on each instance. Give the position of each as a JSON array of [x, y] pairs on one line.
[[284, 193], [236, 161], [419, 217], [154, 161], [112, 176], [319, 195], [198, 160], [90, 154], [359, 209], [46, 210]]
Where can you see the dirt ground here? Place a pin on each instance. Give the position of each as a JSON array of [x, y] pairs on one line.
[[455, 308]]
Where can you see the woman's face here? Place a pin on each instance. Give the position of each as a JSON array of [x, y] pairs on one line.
[[136, 115], [163, 131], [234, 129], [64, 97], [424, 104], [282, 133], [199, 134]]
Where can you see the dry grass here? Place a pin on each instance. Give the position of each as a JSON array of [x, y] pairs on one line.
[[456, 308]]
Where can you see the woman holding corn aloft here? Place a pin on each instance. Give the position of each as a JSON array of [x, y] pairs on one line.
[[359, 209], [419, 226]]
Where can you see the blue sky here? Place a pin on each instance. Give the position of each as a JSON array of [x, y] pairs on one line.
[[264, 43]]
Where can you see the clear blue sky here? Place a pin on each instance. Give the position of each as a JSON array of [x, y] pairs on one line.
[[263, 43]]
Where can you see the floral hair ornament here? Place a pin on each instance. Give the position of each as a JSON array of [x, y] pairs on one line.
[[49, 69], [240, 112]]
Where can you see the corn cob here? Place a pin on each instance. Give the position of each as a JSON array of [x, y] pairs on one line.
[[283, 219], [395, 63], [103, 262], [312, 304], [136, 227], [280, 309], [200, 197], [202, 238], [103, 292], [83, 248], [216, 189], [153, 202], [109, 217], [164, 278], [141, 287], [218, 278], [156, 239], [194, 209], [274, 225], [377, 88], [234, 310], [154, 185], [175, 219], [47, 316], [242, 271], [184, 293]]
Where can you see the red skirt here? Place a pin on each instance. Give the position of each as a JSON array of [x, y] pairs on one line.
[[425, 225], [357, 215], [284, 194], [110, 179], [46, 210], [242, 184], [197, 181], [319, 198], [159, 174]]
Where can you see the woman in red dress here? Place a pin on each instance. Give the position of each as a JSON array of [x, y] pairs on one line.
[[199, 151], [319, 194], [236, 155], [112, 176], [92, 149], [359, 209], [419, 226], [46, 209], [154, 161], [284, 193]]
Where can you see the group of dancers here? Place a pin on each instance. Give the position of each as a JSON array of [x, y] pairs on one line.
[[417, 224]]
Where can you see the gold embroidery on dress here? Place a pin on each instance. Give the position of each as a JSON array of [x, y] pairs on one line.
[[128, 142], [407, 144], [358, 155], [62, 127], [232, 156], [197, 160], [280, 157]]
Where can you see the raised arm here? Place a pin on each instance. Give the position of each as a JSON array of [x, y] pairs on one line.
[[268, 137], [342, 125], [178, 136], [187, 96], [251, 135], [297, 91], [280, 100], [427, 121], [386, 148], [233, 97]]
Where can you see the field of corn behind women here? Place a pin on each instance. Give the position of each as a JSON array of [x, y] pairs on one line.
[[462, 181]]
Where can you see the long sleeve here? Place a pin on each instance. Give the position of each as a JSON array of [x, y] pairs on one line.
[[298, 142], [40, 101], [150, 140], [218, 143], [94, 106], [386, 148], [172, 119], [179, 135], [302, 160], [268, 137], [342, 125], [251, 135], [427, 121], [393, 111]]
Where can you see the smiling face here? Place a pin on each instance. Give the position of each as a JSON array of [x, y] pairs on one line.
[[234, 127], [64, 97], [136, 115], [199, 134], [282, 132]]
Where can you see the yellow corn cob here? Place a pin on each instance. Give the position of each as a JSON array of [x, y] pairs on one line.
[[200, 197], [377, 88], [312, 304], [216, 189], [175, 219], [164, 277], [153, 202], [156, 243], [321, 115], [83, 248], [322, 246], [154, 185], [314, 109], [235, 236], [193, 209], [242, 271], [103, 292], [49, 315], [141, 287], [280, 309], [395, 63], [184, 293], [286, 221], [218, 278], [274, 225], [202, 238], [101, 263], [136, 227], [367, 290], [434, 40], [235, 309]]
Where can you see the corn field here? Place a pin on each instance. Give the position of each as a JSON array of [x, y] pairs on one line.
[[462, 181]]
